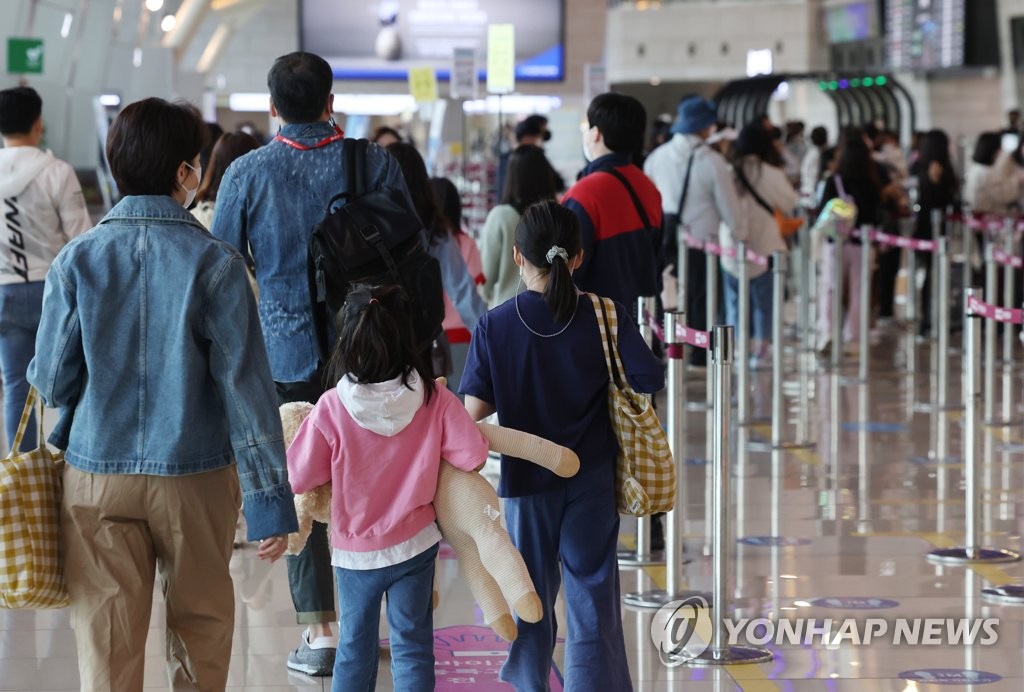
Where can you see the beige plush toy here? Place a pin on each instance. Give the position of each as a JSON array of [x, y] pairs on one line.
[[467, 514]]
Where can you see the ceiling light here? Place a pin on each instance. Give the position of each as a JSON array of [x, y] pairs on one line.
[[168, 22], [154, 5]]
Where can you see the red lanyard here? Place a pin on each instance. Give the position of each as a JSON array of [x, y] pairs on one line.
[[338, 135]]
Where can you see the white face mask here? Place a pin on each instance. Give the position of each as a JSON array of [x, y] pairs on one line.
[[586, 149], [190, 195]]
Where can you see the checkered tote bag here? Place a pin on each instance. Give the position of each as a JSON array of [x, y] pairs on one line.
[[30, 495], [645, 471]]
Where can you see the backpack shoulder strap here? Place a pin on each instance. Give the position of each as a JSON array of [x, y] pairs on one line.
[[360, 168]]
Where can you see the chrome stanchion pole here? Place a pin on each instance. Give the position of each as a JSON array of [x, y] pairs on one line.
[[991, 335], [942, 326], [743, 336], [865, 302], [720, 652], [778, 303], [837, 301], [1004, 593], [911, 314], [1009, 291], [642, 555], [676, 424], [936, 218], [972, 551]]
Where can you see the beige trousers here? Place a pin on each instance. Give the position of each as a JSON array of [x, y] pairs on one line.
[[118, 532]]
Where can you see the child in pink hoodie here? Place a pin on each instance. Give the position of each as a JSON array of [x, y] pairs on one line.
[[378, 437]]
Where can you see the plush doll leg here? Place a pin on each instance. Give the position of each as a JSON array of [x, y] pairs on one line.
[[467, 510], [482, 585], [557, 459]]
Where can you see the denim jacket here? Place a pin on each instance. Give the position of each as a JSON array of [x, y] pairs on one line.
[[150, 343], [268, 203]]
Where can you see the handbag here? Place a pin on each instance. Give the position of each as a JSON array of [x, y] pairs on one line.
[[838, 215], [30, 497], [788, 225], [645, 473]]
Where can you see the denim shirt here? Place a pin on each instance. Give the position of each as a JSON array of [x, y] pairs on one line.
[[456, 280], [268, 203], [150, 343]]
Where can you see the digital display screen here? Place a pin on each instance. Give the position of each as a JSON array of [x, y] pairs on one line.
[[925, 34], [382, 39], [854, 22]]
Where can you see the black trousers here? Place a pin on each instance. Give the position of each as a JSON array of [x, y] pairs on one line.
[[696, 299]]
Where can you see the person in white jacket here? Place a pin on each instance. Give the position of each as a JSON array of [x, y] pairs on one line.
[[43, 209], [763, 187]]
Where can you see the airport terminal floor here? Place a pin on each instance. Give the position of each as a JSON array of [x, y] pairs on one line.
[[836, 532]]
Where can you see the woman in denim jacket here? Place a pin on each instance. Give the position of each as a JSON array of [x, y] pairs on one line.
[[151, 346]]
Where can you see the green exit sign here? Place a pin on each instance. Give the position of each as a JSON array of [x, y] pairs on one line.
[[24, 56]]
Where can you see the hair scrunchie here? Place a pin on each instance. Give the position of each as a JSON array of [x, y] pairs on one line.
[[557, 251]]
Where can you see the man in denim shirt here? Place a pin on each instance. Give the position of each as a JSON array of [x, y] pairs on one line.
[[268, 203]]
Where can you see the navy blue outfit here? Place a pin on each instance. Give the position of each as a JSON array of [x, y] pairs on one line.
[[557, 388]]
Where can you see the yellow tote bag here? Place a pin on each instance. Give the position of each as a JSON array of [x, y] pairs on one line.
[[645, 471], [30, 496]]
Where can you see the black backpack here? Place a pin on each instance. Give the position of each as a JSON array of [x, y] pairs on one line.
[[373, 238]]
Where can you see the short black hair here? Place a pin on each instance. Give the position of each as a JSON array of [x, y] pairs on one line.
[[299, 85], [148, 141], [529, 178], [621, 120], [819, 136], [20, 107]]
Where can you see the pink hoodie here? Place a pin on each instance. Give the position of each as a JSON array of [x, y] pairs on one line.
[[381, 448]]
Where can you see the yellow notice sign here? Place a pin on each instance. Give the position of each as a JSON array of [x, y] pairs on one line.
[[423, 84], [501, 58]]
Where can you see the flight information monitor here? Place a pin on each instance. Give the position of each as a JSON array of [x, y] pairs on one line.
[[925, 34]]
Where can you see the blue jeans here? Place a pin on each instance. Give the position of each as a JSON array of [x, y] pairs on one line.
[[760, 304], [409, 588], [570, 534], [21, 306]]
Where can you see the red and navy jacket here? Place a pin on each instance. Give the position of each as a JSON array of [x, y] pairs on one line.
[[620, 256]]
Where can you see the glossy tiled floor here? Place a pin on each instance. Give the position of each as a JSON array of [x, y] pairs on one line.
[[883, 486]]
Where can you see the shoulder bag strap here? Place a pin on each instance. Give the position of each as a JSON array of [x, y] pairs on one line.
[[840, 190], [604, 328], [644, 219], [738, 169], [686, 181]]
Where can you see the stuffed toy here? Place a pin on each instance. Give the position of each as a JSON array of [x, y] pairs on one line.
[[467, 514]]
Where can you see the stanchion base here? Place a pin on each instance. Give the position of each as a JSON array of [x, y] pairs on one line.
[[696, 406], [998, 423], [764, 446], [1009, 594], [629, 558], [957, 556], [847, 381], [930, 407], [659, 597], [732, 655]]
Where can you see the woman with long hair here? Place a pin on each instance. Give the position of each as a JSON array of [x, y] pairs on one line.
[[459, 287], [538, 361], [228, 148], [857, 178], [762, 187], [528, 181]]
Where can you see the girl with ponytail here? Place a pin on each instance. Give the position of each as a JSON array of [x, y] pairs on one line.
[[379, 437], [538, 361]]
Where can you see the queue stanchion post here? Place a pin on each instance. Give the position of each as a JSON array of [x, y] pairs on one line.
[[836, 355], [991, 333], [642, 555], [972, 550], [682, 266], [1008, 594], [720, 652], [743, 335], [1009, 291], [675, 420], [936, 219], [911, 312], [942, 326], [865, 303], [967, 243]]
